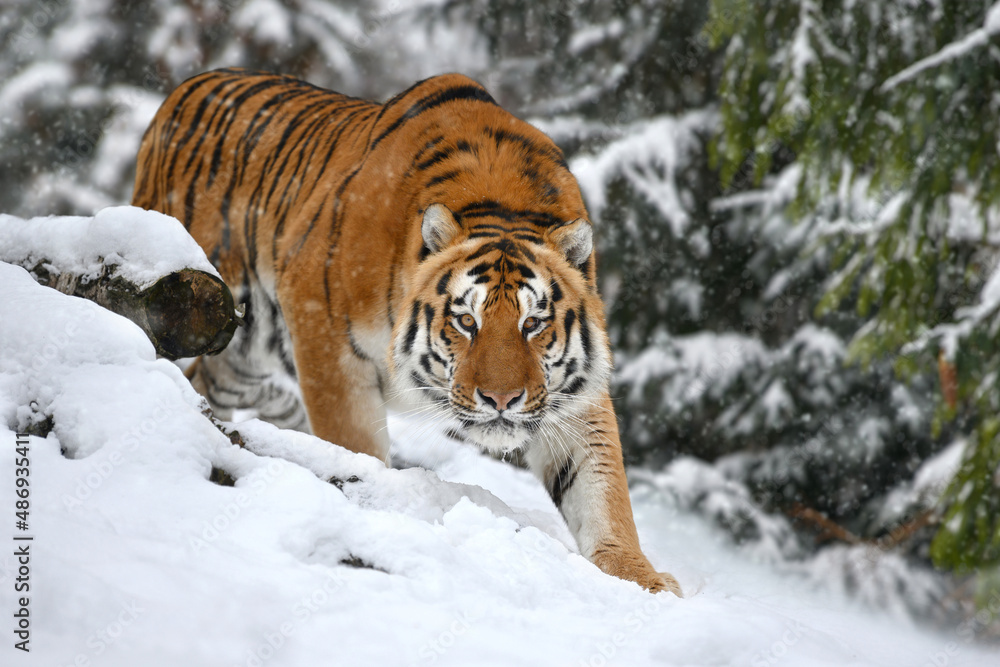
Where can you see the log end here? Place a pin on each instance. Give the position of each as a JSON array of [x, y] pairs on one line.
[[190, 313]]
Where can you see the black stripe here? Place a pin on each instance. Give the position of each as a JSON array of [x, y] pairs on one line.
[[417, 380], [389, 293], [563, 481], [439, 156], [525, 271], [358, 352], [442, 286], [501, 135], [505, 246], [495, 210], [468, 92], [486, 225], [241, 373], [194, 85], [192, 126], [429, 146], [293, 125], [292, 409], [443, 178], [585, 336], [568, 325], [189, 197], [460, 301], [568, 322], [480, 268], [437, 357], [342, 126], [411, 331]]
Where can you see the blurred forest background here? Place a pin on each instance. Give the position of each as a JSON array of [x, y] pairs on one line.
[[797, 211]]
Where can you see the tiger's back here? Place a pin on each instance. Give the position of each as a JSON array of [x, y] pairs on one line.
[[236, 156], [432, 244]]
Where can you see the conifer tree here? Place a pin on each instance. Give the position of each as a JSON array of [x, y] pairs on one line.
[[890, 110]]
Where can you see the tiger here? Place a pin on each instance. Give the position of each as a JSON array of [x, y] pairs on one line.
[[433, 250]]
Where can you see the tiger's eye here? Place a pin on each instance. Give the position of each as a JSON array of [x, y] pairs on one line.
[[530, 324], [467, 321]]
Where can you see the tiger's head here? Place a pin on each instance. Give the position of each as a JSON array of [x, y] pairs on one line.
[[502, 330]]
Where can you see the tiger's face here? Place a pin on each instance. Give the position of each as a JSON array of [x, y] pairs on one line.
[[498, 336]]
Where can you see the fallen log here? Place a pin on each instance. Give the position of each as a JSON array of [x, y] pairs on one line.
[[139, 264]]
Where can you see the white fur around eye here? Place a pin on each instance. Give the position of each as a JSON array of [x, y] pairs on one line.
[[529, 308], [467, 331]]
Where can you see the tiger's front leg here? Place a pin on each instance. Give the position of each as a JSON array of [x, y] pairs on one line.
[[341, 388], [581, 465]]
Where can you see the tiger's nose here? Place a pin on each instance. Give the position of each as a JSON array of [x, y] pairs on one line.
[[500, 401]]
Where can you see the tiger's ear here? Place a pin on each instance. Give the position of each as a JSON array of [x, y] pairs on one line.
[[439, 227], [575, 240]]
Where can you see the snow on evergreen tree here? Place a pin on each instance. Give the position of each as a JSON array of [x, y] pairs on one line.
[[890, 111], [80, 80]]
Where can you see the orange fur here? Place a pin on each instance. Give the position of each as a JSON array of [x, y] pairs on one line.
[[433, 245]]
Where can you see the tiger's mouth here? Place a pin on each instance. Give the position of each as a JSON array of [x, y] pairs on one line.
[[499, 434]]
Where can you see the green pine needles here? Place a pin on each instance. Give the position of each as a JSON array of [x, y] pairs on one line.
[[892, 112]]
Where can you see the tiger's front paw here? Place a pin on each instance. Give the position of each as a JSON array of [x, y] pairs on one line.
[[664, 582], [635, 567]]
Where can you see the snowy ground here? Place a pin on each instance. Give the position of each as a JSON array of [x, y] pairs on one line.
[[139, 559]]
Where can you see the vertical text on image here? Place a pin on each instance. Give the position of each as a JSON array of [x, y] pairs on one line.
[[22, 543]]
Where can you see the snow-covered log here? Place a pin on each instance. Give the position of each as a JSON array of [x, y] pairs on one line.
[[140, 264]]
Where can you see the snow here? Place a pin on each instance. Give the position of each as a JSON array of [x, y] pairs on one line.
[[85, 245], [650, 156], [134, 108], [928, 485], [75, 39], [777, 404], [691, 365], [957, 49], [38, 79], [589, 36], [268, 21], [138, 558]]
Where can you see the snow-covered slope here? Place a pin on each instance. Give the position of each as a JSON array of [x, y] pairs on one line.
[[139, 559]]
